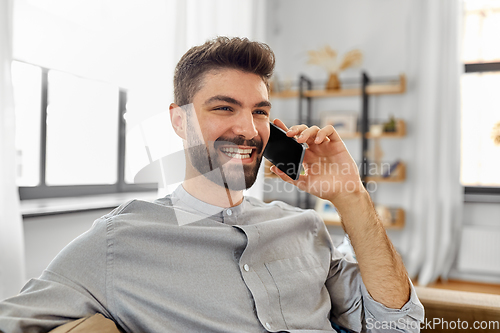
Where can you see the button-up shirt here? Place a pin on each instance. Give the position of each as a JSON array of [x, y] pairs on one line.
[[181, 265]]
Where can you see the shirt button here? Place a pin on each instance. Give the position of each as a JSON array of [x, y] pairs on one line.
[[229, 212], [268, 326], [246, 267]]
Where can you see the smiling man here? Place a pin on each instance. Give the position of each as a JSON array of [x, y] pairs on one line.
[[208, 259], [225, 130]]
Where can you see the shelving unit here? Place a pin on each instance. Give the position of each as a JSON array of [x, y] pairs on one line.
[[306, 93], [395, 86]]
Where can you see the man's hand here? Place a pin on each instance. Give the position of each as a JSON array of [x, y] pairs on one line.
[[330, 171], [332, 174]]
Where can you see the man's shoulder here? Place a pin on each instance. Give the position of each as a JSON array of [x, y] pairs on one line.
[[159, 210], [279, 209], [283, 214]]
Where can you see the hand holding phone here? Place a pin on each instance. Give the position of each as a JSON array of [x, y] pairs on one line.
[[284, 152]]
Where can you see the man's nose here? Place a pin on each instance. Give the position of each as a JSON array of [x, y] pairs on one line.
[[244, 126]]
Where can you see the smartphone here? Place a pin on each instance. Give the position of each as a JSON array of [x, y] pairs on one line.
[[284, 152]]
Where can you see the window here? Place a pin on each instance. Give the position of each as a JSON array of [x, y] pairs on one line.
[[480, 97], [82, 131], [81, 65], [70, 134]]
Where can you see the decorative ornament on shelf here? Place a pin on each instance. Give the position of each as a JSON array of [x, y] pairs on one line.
[[495, 135], [390, 126], [326, 57]]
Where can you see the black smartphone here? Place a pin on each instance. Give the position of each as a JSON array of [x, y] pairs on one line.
[[284, 152]]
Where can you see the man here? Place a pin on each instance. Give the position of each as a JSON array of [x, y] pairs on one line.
[[208, 259]]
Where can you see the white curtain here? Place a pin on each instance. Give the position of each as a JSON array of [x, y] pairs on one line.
[[199, 20], [11, 230], [436, 197]]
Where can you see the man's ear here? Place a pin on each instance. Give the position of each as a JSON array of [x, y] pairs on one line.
[[178, 120]]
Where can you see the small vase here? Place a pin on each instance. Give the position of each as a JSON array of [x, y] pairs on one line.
[[333, 82]]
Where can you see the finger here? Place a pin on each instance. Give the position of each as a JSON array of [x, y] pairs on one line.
[[308, 135], [300, 183], [296, 130], [280, 124], [281, 174], [334, 136], [323, 134]]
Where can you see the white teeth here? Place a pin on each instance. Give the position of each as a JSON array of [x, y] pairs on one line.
[[235, 152], [238, 156]]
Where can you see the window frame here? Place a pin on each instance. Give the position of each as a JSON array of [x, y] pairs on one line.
[[481, 67], [43, 191]]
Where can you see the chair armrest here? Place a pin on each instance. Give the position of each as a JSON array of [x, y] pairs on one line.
[[96, 324], [451, 305]]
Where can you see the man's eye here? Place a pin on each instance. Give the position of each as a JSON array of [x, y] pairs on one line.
[[261, 112], [224, 108]]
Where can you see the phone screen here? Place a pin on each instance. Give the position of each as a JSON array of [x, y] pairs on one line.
[[284, 152]]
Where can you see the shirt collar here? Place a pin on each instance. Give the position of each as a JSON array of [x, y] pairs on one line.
[[183, 200]]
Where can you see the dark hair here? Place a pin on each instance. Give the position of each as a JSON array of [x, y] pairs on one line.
[[220, 53]]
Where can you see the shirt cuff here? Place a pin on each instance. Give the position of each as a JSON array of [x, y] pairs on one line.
[[378, 317]]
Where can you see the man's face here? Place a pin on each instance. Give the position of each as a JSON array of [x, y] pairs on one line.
[[229, 128]]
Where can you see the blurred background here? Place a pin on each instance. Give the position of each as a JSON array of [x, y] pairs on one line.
[[411, 85]]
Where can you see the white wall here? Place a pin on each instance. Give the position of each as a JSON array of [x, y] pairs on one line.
[[45, 236], [378, 28]]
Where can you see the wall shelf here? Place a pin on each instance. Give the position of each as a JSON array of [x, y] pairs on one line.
[[398, 175], [284, 94], [399, 133], [395, 87]]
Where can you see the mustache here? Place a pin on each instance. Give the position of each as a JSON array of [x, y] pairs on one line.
[[239, 141]]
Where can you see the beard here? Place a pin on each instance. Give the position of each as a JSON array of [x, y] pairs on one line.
[[206, 158]]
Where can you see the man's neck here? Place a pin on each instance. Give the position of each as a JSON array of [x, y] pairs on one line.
[[206, 191]]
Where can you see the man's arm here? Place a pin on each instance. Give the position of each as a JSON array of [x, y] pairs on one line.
[[72, 287], [381, 267], [332, 174]]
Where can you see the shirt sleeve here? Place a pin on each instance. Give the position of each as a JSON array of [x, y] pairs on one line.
[[354, 308], [73, 286]]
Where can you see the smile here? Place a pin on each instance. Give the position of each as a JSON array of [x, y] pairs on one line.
[[240, 153]]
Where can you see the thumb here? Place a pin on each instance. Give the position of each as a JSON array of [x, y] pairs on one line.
[[300, 183]]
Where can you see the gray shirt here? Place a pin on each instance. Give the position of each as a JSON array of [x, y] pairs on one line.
[[181, 265]]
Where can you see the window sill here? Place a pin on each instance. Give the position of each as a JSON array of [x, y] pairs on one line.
[[53, 206], [483, 198]]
